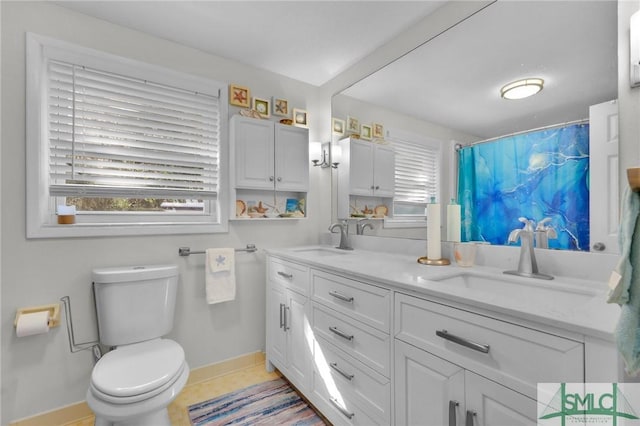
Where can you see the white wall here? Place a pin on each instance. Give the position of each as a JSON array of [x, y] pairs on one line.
[[628, 98], [38, 372]]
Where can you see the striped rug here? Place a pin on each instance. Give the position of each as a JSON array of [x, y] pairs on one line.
[[273, 402]]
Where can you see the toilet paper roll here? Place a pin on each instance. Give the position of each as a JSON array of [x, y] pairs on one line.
[[33, 323]]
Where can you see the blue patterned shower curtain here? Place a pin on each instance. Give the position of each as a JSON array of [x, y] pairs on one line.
[[535, 175]]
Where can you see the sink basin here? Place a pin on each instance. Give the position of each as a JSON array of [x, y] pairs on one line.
[[321, 251], [525, 289]]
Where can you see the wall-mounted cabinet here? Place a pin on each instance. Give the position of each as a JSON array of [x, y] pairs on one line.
[[271, 163], [366, 176]]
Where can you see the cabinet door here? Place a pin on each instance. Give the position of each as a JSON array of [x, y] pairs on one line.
[[292, 158], [425, 386], [253, 144], [361, 168], [298, 347], [384, 171], [495, 405], [275, 329]]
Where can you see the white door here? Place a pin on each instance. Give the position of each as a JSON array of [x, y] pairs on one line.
[[429, 391], [292, 158], [491, 404], [603, 177], [275, 330], [361, 167], [298, 346], [384, 171], [254, 155]]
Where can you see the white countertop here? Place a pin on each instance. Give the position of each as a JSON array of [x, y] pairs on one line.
[[576, 305]]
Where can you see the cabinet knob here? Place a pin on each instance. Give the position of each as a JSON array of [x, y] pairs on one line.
[[599, 246], [372, 187], [279, 179], [377, 187], [270, 178]]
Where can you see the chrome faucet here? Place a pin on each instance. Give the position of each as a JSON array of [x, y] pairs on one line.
[[344, 234], [362, 225], [527, 265], [544, 233]]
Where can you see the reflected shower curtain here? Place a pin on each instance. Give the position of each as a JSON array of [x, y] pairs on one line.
[[535, 175]]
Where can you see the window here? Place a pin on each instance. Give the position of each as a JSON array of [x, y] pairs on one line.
[[417, 177], [136, 148]]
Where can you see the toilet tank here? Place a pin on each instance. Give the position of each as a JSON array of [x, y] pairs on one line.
[[135, 303]]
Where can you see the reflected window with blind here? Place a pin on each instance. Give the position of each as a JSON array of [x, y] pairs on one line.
[[126, 143], [417, 177]]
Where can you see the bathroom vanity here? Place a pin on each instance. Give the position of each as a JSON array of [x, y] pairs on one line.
[[373, 338]]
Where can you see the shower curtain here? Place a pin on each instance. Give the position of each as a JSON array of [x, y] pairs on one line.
[[536, 175]]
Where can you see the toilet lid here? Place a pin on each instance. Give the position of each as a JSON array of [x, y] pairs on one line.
[[138, 368]]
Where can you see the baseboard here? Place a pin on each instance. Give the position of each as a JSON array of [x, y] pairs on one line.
[[80, 410]]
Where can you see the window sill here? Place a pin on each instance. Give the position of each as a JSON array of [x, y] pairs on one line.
[[80, 230], [396, 223]]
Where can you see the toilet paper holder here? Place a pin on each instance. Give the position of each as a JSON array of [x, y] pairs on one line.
[[53, 309]]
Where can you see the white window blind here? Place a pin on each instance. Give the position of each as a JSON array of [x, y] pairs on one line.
[[115, 136], [417, 172]]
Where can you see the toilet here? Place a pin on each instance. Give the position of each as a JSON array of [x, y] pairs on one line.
[[135, 382]]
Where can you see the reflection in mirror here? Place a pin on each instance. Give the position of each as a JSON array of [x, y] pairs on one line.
[[448, 90]]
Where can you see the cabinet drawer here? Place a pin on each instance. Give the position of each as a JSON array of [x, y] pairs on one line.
[[291, 275], [365, 302], [370, 390], [339, 408], [516, 356], [361, 341]]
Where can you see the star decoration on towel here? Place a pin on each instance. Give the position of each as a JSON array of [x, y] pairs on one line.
[[220, 260]]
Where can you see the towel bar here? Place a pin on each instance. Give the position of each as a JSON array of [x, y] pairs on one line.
[[186, 251]]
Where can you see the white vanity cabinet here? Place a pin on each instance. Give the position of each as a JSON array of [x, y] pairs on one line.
[[269, 155], [371, 352], [430, 390], [366, 170], [490, 367], [352, 351], [287, 321]]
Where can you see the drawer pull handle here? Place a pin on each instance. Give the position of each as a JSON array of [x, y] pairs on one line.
[[464, 342], [286, 322], [341, 408], [285, 275], [347, 376], [452, 413], [469, 419], [348, 299], [341, 333], [282, 315]]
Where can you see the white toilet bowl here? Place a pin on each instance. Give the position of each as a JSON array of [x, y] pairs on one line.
[[134, 384]]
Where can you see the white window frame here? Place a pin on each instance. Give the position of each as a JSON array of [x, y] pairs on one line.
[[41, 207], [413, 221]]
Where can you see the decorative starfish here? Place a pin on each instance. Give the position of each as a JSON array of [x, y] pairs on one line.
[[280, 107], [220, 260], [240, 96]]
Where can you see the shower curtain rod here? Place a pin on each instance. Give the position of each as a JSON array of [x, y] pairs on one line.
[[459, 146]]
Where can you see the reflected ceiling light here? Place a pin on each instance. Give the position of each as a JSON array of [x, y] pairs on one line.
[[522, 88]]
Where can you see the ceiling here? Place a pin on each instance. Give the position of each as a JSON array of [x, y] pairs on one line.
[[453, 80], [310, 41]]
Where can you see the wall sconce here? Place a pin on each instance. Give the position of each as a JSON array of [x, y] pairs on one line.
[[325, 161]]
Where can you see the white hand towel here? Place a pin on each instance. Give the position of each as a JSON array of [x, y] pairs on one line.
[[220, 275]]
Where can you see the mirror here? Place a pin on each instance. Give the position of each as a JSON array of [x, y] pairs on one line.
[[448, 89]]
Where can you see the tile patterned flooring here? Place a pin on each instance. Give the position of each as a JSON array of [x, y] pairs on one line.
[[204, 390]]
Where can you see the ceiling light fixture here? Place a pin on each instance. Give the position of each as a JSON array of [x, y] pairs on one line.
[[522, 88]]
